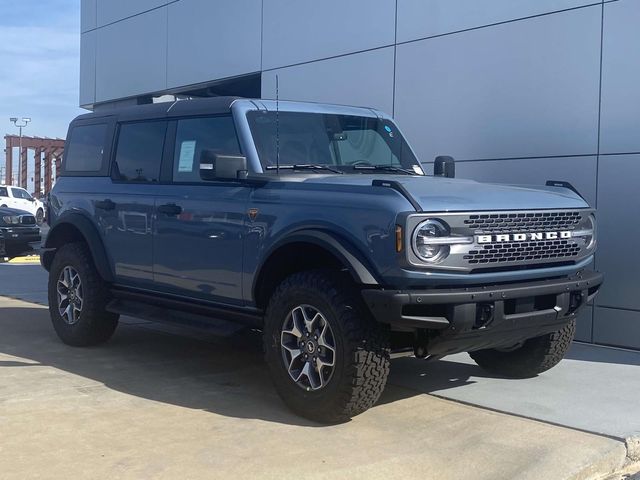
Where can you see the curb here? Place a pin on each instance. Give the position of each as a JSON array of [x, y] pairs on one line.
[[30, 259], [604, 466], [633, 447]]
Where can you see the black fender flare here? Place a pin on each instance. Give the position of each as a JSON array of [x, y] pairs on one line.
[[357, 266], [90, 233]]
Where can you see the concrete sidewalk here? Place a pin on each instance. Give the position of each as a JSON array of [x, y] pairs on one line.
[[153, 405]]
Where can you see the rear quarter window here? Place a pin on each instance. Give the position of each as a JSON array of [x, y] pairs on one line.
[[85, 148]]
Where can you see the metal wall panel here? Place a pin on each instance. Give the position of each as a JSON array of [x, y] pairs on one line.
[[425, 18], [296, 31], [109, 11], [87, 15], [580, 171], [520, 89], [584, 324], [199, 40], [88, 68], [616, 327], [131, 56], [364, 79], [620, 120], [618, 207]]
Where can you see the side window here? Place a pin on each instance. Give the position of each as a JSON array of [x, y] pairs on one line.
[[85, 148], [20, 193], [3, 192], [139, 152], [193, 136]]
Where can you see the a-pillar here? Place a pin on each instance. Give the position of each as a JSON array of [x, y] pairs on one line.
[[9, 164], [47, 170], [37, 160], [23, 168]]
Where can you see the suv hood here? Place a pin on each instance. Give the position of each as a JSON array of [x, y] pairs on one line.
[[13, 211], [439, 194]]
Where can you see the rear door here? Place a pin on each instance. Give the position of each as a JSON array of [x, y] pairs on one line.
[[5, 199], [200, 226], [125, 214]]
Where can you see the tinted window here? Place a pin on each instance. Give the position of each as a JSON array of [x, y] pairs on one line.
[[85, 148], [196, 135], [20, 193], [139, 152], [3, 192]]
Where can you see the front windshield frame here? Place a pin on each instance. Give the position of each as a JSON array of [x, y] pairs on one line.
[[381, 133]]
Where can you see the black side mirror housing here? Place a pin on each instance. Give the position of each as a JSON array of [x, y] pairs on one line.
[[444, 166], [214, 166]]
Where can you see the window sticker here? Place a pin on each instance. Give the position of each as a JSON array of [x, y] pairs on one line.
[[187, 153]]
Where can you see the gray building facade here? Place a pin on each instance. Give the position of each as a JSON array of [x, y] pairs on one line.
[[518, 91]]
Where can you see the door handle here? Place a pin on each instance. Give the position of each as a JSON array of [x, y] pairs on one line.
[[105, 204], [170, 209]]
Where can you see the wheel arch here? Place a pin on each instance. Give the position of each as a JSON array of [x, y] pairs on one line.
[[304, 250], [77, 228]]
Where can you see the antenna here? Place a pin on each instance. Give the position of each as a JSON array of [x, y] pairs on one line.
[[277, 128]]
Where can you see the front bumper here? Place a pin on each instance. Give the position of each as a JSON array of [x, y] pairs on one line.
[[472, 318], [16, 238]]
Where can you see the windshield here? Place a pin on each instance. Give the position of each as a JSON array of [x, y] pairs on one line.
[[343, 142]]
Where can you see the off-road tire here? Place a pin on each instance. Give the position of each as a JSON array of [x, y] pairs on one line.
[[535, 356], [362, 347], [95, 324]]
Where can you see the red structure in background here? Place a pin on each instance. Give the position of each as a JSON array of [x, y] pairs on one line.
[[49, 150]]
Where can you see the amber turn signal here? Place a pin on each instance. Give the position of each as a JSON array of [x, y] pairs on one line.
[[398, 238]]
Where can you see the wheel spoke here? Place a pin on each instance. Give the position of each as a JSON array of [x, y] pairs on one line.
[[323, 341], [295, 325]]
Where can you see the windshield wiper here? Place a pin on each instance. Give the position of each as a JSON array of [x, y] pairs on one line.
[[386, 168], [304, 167]]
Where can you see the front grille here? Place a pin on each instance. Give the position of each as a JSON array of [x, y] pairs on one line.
[[511, 239], [523, 251], [523, 222], [27, 220]]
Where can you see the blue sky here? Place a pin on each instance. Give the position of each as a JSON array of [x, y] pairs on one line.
[[39, 64]]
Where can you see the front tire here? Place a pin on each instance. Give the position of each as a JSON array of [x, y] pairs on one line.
[[320, 315], [40, 216], [535, 356], [78, 298]]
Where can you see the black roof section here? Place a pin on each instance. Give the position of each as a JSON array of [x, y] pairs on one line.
[[199, 106]]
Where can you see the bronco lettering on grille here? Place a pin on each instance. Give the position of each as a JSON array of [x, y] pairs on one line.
[[523, 237]]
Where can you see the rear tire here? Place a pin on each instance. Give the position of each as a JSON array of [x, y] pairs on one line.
[[535, 356], [353, 376], [78, 297]]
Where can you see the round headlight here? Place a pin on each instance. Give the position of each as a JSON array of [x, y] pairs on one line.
[[424, 242], [591, 239]]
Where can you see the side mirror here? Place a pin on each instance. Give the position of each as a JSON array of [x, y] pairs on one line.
[[214, 166], [444, 166]]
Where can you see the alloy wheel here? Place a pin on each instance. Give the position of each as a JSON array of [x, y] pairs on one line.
[[308, 347], [70, 294]]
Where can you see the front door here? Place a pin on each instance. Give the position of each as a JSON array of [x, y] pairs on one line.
[[199, 225], [21, 200]]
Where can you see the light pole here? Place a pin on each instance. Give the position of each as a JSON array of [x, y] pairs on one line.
[[21, 125]]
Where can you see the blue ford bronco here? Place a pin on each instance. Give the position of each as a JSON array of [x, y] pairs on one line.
[[317, 225]]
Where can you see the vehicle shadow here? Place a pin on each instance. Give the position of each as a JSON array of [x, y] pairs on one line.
[[192, 369]]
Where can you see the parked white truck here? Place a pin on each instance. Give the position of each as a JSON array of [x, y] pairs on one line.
[[20, 199]]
